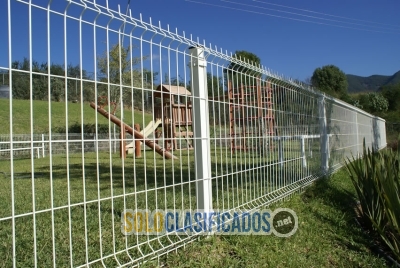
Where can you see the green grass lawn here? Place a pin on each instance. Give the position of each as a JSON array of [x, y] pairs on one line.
[[78, 200], [328, 236], [81, 198], [21, 116], [87, 209]]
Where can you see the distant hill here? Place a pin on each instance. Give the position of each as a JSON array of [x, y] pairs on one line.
[[370, 83]]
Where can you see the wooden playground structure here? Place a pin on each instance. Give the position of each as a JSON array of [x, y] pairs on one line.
[[174, 110], [251, 116], [172, 123], [251, 120]]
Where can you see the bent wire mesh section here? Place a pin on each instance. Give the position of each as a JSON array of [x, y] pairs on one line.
[[100, 118]]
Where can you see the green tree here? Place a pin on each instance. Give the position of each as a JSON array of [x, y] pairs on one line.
[[392, 94], [40, 82], [378, 102], [238, 74], [214, 86], [371, 102], [121, 70], [246, 57], [331, 80], [174, 81]]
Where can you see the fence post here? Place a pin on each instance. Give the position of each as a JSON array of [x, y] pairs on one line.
[[138, 144], [43, 145], [303, 151], [357, 137], [201, 127], [324, 135], [122, 145], [96, 145]]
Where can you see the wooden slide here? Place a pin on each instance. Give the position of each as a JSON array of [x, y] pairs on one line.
[[149, 129], [139, 136]]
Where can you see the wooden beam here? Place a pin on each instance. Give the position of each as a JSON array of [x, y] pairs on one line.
[[158, 149]]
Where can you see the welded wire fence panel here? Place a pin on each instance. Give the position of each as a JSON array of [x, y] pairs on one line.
[[22, 147], [58, 143], [269, 132], [113, 114]]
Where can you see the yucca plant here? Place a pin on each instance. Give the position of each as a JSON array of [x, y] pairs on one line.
[[390, 195], [363, 176], [376, 178]]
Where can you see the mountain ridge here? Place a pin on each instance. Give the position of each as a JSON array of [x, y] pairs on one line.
[[370, 83]]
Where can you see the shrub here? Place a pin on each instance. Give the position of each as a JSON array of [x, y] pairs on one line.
[[87, 128], [376, 178]]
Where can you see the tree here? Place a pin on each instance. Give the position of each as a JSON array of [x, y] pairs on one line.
[[214, 86], [392, 94], [246, 57], [378, 102], [174, 81], [331, 80], [239, 74], [40, 82], [371, 102], [119, 69]]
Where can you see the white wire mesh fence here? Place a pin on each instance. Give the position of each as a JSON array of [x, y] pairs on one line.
[[207, 132], [60, 143]]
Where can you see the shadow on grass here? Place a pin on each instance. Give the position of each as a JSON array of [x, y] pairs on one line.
[[152, 172], [333, 194]]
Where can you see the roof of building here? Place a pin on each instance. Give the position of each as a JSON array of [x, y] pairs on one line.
[[175, 90]]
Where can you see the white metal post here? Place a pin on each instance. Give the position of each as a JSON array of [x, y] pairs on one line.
[[382, 131], [357, 137], [303, 151], [43, 145], [201, 127], [324, 135]]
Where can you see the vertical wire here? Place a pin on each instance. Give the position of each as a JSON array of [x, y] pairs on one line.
[[239, 162], [10, 68], [144, 155], [82, 138], [248, 125], [215, 140], [149, 207], [97, 132], [172, 126], [67, 137], [119, 103], [133, 138], [32, 136], [223, 134], [188, 98], [219, 138], [50, 134], [281, 116], [239, 151], [155, 177], [179, 128], [111, 141]]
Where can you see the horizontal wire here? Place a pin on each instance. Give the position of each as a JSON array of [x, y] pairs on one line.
[[308, 16], [325, 14], [289, 18]]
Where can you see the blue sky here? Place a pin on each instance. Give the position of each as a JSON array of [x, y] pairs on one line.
[[291, 37]]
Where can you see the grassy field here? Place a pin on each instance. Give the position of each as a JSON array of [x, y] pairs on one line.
[[67, 203], [21, 116], [81, 198], [328, 236]]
